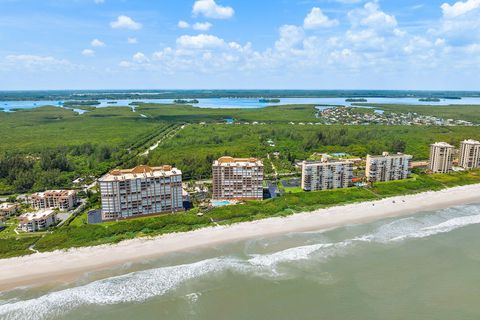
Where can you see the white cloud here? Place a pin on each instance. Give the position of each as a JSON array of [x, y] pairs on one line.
[[132, 40], [473, 48], [125, 22], [88, 53], [97, 43], [200, 41], [290, 36], [125, 64], [210, 9], [371, 16], [30, 60], [139, 57], [202, 26], [183, 24], [399, 33], [461, 21], [416, 44], [440, 42], [365, 38], [373, 44], [459, 8], [317, 19]]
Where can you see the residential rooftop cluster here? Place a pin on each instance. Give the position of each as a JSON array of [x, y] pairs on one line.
[[41, 209], [353, 116]]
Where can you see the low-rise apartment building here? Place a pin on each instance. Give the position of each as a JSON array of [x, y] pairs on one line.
[[141, 191], [441, 157], [37, 221], [469, 154], [7, 209], [388, 167], [53, 199], [237, 179], [324, 174]]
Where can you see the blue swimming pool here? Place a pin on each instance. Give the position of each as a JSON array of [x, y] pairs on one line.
[[221, 203]]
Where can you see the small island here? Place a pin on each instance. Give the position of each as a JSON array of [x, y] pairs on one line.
[[112, 102], [356, 100], [452, 98], [263, 100], [429, 100], [136, 103], [74, 103], [183, 101]]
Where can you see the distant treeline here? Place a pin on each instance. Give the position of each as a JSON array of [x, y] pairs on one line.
[[198, 94]]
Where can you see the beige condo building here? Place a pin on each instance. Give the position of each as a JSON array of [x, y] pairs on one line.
[[237, 179], [469, 154], [37, 221], [141, 191], [51, 199], [323, 175], [7, 209], [388, 167], [441, 157]]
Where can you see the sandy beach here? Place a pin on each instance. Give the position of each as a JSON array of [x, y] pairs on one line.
[[66, 266]]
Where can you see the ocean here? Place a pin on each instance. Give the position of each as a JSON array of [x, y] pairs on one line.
[[424, 266]]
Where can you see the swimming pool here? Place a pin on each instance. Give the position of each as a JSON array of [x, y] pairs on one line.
[[221, 203]]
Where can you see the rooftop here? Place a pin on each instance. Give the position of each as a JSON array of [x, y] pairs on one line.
[[7, 206], [325, 162], [442, 144], [388, 155], [471, 141], [54, 193], [230, 161], [38, 215], [141, 172]]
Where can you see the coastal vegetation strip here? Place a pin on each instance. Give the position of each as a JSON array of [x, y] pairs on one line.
[[79, 234]]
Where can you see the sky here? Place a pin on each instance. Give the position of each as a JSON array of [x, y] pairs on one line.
[[240, 44]]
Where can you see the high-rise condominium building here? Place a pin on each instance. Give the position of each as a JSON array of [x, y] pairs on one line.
[[322, 175], [441, 157], [140, 191], [469, 154], [51, 199], [388, 167], [237, 179]]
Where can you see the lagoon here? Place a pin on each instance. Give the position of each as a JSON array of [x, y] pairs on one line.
[[243, 103]]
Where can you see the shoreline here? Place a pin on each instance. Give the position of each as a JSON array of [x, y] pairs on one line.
[[69, 265]]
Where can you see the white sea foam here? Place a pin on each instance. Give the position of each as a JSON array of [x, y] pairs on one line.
[[297, 253], [394, 231], [143, 285], [424, 226], [133, 287]]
